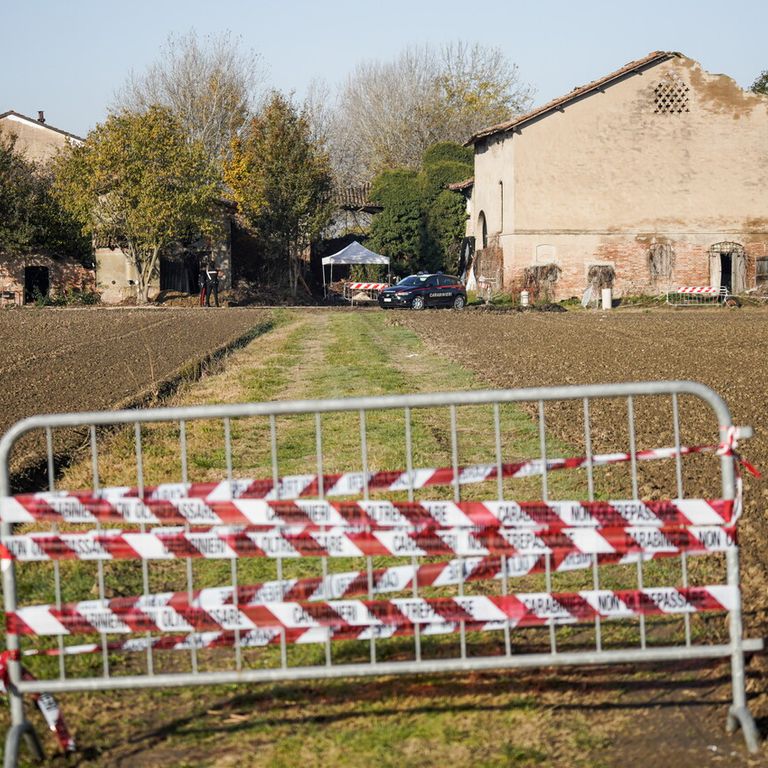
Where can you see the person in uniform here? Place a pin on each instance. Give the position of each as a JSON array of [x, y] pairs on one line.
[[212, 279], [203, 280]]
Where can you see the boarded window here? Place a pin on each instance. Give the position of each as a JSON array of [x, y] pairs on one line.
[[762, 271]]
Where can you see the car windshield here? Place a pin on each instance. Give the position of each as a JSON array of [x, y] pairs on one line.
[[413, 280]]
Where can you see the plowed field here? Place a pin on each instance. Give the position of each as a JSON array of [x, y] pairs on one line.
[[725, 349], [79, 360]]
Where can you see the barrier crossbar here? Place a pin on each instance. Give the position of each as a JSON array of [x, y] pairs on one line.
[[354, 541]]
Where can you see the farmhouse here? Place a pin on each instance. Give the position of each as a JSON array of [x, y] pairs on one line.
[[653, 176], [23, 277]]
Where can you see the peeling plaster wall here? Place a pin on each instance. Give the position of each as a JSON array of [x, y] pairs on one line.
[[606, 176]]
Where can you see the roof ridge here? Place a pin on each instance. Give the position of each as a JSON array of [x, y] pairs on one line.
[[41, 125], [652, 58]]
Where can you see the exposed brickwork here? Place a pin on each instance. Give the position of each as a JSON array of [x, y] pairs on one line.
[[64, 275]]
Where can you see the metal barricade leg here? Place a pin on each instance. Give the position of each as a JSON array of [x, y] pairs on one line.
[[13, 742], [738, 713]]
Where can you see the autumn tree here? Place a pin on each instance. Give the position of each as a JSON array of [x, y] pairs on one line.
[[761, 84], [281, 180], [389, 113], [31, 219], [139, 182], [210, 86]]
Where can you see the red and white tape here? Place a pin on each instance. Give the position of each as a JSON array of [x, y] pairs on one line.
[[343, 484], [45, 702], [332, 587], [705, 289], [367, 286], [519, 610], [305, 541], [381, 513]]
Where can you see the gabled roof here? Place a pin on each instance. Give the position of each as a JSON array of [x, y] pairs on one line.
[[12, 113], [652, 59], [355, 199]]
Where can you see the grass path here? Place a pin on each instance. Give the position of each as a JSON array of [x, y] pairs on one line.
[[484, 720]]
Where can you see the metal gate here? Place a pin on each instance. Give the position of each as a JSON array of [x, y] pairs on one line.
[[377, 536]]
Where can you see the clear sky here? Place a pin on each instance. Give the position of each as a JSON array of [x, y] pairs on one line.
[[68, 57]]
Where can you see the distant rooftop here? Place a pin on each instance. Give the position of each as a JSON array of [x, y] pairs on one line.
[[39, 122]]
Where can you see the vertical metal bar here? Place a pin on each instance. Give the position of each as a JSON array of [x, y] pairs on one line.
[[364, 467], [409, 452], [588, 451], [686, 616], [236, 604], [416, 627], [56, 564], [543, 452], [505, 592], [233, 561], [188, 565], [319, 456], [96, 485], [324, 565], [455, 456], [548, 581], [371, 596], [183, 451], [414, 559], [596, 586], [273, 451], [640, 588], [49, 454], [499, 462], [364, 454], [678, 457], [143, 529], [632, 443], [283, 643], [462, 624]]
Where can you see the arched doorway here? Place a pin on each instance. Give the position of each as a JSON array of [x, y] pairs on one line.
[[482, 226], [728, 266]]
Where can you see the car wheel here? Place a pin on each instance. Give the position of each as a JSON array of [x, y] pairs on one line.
[[459, 302], [418, 302]]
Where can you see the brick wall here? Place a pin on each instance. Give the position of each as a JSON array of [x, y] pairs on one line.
[[64, 275]]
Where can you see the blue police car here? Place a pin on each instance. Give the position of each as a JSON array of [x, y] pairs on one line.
[[425, 290]]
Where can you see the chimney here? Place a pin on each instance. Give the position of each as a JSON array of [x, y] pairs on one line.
[[40, 116]]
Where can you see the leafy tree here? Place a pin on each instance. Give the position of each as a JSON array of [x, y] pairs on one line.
[[281, 179], [761, 83], [209, 85], [31, 219], [390, 113], [421, 224], [138, 181], [398, 231]]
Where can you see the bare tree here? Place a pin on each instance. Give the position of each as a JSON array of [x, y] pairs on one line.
[[209, 84], [388, 113]]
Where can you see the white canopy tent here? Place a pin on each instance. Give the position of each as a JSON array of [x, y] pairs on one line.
[[354, 253]]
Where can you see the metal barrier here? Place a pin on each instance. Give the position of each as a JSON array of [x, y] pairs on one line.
[[695, 296], [440, 596]]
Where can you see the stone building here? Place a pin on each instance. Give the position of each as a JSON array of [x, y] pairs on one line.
[[23, 278], [651, 177]]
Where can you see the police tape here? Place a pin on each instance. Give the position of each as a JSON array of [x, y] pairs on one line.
[[529, 609], [46, 703], [24, 507], [378, 581], [380, 513], [310, 541]]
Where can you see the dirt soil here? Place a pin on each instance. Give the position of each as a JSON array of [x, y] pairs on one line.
[[58, 360], [726, 349]]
